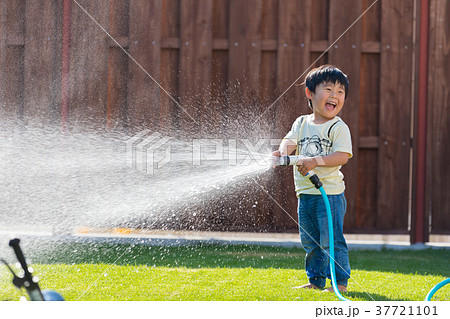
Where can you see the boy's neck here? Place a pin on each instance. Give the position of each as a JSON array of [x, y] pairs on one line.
[[320, 119]]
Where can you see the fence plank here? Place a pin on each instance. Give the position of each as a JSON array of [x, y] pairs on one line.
[[319, 32], [293, 45], [320, 11], [366, 199], [395, 112], [438, 128], [116, 103], [219, 65], [195, 65], [267, 94], [346, 54], [42, 61], [371, 22], [244, 56], [88, 64], [170, 27], [145, 48], [12, 58], [269, 27]]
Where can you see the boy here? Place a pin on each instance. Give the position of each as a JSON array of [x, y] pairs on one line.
[[325, 141]]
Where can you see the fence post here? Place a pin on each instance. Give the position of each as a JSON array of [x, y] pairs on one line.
[[418, 234]]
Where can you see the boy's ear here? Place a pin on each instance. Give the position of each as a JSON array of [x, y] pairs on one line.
[[308, 93]]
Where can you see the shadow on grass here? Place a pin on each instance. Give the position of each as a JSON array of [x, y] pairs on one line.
[[189, 256], [229, 256], [370, 296], [420, 262]]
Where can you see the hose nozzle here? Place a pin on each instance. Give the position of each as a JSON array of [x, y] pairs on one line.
[[292, 160], [284, 160]]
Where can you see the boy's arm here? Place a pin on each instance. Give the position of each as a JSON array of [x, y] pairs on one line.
[[287, 147], [332, 160]]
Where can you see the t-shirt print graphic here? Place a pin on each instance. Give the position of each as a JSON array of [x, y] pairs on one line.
[[315, 146]]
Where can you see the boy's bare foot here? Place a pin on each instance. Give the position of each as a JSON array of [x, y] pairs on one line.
[[341, 288], [307, 286]]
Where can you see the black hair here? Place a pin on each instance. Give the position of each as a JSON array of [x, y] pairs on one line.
[[325, 73]]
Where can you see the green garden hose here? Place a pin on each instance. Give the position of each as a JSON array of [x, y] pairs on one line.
[[292, 160]]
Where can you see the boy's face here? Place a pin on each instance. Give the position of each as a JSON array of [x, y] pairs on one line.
[[327, 100]]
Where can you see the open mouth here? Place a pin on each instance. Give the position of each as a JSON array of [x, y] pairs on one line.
[[330, 106]]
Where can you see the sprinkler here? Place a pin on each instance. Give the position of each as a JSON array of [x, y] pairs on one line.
[[292, 160], [27, 281]]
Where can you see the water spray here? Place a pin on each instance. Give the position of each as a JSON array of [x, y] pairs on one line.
[[293, 160]]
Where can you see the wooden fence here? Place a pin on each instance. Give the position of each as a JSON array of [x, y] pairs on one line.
[[197, 65]]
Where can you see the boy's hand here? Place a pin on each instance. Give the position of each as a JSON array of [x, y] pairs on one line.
[[332, 160], [276, 153], [306, 164]]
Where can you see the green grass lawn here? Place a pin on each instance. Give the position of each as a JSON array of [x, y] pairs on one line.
[[215, 272]]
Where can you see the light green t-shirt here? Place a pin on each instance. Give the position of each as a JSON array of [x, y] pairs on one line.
[[320, 140]]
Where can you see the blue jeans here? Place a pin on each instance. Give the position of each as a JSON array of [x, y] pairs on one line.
[[313, 223]]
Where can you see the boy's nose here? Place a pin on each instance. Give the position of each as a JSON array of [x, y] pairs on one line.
[[334, 93]]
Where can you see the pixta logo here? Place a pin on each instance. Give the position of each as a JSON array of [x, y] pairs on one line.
[[148, 152]]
